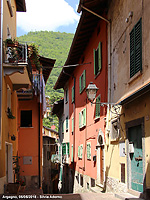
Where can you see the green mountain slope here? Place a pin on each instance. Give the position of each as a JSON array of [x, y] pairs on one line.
[[54, 45]]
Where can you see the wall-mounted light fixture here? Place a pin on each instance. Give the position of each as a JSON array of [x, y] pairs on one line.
[[91, 91], [13, 137]]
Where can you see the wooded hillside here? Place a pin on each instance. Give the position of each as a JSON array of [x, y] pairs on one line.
[[54, 45]]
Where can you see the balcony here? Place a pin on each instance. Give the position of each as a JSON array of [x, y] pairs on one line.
[[15, 53], [15, 64], [65, 159], [56, 158]]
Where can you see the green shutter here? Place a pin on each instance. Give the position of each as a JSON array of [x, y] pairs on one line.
[[60, 173], [99, 56], [72, 153], [59, 150], [72, 94], [63, 148], [97, 112], [136, 49], [68, 148], [84, 117], [80, 115], [72, 124], [66, 123], [138, 46], [89, 151], [84, 79], [94, 63], [81, 150], [80, 88], [78, 151], [63, 127]]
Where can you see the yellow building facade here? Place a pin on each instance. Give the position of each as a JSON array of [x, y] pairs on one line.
[[127, 157], [9, 102]]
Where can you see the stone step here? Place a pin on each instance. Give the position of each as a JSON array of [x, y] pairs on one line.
[[127, 196]]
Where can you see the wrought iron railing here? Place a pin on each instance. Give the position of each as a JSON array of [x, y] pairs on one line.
[[16, 53], [56, 158]]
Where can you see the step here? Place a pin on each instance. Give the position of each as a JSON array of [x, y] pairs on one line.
[[127, 196]]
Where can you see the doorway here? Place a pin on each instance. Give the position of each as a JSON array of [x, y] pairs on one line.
[[135, 155], [9, 162]]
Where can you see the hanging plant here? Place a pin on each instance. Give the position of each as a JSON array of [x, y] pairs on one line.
[[33, 53], [9, 114]]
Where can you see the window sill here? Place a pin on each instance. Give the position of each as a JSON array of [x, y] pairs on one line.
[[135, 77], [97, 74], [82, 90], [97, 119], [26, 127], [83, 126]]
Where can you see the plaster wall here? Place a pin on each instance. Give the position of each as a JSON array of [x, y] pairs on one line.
[[89, 133], [121, 85], [28, 139]]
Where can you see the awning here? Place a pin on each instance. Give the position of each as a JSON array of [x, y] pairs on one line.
[[134, 94]]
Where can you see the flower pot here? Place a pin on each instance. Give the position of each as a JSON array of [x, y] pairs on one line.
[[22, 188], [13, 188]]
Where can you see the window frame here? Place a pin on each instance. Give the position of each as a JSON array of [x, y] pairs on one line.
[[88, 150], [98, 59], [82, 118], [97, 107], [82, 81], [28, 118]]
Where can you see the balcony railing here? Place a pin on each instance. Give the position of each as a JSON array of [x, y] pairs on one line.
[[15, 53], [56, 158], [65, 158]]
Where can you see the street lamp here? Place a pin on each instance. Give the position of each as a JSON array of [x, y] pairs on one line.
[[91, 91]]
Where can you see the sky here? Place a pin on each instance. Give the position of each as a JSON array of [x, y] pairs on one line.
[[50, 15]]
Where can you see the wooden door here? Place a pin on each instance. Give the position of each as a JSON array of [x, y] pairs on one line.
[[102, 165], [136, 158]]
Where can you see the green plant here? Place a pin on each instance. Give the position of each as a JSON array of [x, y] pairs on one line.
[[9, 113], [33, 53]]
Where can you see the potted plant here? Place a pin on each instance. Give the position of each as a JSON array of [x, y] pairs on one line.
[[11, 43], [22, 185], [13, 188]]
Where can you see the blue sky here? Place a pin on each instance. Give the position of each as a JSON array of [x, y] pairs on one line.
[[50, 15]]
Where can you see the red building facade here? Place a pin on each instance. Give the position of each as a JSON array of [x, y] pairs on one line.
[[87, 61]]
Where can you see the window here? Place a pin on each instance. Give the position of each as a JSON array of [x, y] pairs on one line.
[[98, 59], [72, 124], [66, 123], [122, 172], [66, 95], [136, 49], [82, 81], [10, 7], [73, 94], [26, 118], [65, 148], [82, 118], [72, 153], [97, 111], [48, 155], [62, 126], [89, 151], [80, 151], [8, 97]]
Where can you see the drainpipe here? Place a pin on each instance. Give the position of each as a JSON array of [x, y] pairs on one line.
[[39, 146], [1, 65]]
